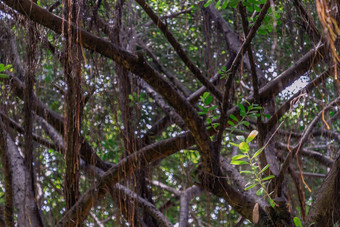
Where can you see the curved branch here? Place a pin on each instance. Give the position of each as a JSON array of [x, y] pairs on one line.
[[149, 207], [165, 187]]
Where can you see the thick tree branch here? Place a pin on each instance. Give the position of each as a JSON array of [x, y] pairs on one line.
[[185, 199], [7, 175], [125, 167], [325, 210], [28, 213]]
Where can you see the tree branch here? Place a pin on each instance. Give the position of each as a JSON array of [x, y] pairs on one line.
[[150, 208], [185, 198], [7, 175], [28, 213], [325, 210]]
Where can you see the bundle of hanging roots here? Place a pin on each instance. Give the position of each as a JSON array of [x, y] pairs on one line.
[[328, 12]]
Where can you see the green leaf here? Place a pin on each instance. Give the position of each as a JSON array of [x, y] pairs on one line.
[[297, 222], [201, 107], [215, 125], [257, 153], [241, 107], [232, 116], [48, 78], [249, 187], [208, 100], [218, 4], [225, 4], [271, 202], [205, 95], [8, 67], [247, 172], [237, 163], [231, 123], [212, 108], [233, 3], [205, 110], [4, 76], [246, 123], [239, 156], [264, 169], [244, 147], [238, 130], [259, 192], [234, 144], [241, 138], [252, 136], [268, 116], [268, 178], [208, 3]]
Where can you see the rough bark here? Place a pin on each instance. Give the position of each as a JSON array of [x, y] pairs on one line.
[[28, 213], [73, 106], [9, 207], [325, 210]]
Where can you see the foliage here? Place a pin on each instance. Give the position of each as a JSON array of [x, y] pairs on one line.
[[4, 68], [256, 173], [161, 148]]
